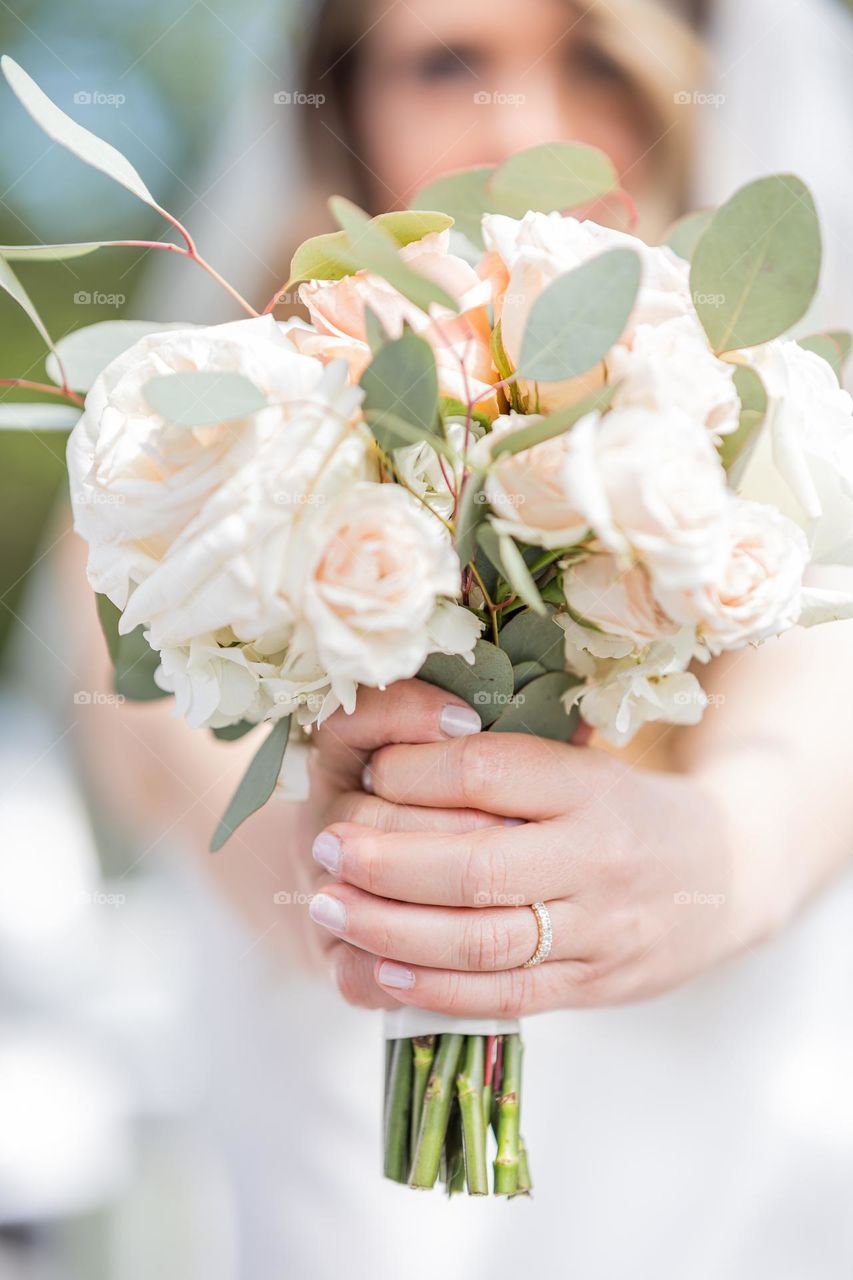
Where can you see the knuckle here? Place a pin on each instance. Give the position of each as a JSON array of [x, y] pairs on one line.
[[348, 978], [448, 993], [476, 875], [514, 992], [488, 943]]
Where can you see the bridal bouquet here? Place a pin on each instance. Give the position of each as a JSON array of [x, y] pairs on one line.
[[522, 456]]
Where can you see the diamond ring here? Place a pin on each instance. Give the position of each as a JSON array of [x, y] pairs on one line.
[[543, 944]]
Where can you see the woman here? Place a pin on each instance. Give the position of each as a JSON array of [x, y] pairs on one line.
[[656, 870]]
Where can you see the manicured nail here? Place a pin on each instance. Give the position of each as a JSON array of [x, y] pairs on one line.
[[396, 976], [513, 822], [367, 780], [459, 722], [326, 850], [328, 911]]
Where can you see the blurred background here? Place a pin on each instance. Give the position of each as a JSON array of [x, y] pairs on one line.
[[122, 1112]]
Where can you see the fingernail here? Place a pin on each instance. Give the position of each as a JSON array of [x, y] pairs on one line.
[[396, 976], [459, 722], [328, 911], [367, 780], [326, 850], [513, 822]]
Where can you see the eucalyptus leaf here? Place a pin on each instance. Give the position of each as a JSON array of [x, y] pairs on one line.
[[199, 399], [232, 732], [473, 510], [86, 352], [486, 686], [505, 556], [133, 659], [371, 247], [12, 285], [87, 146], [51, 252], [524, 672], [735, 449], [257, 785], [538, 709], [684, 235], [833, 347], [34, 416], [579, 316], [464, 196], [401, 386], [555, 424], [552, 176], [374, 330], [329, 257], [529, 637], [756, 269]]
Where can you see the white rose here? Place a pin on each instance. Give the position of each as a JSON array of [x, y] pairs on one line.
[[652, 487], [135, 480], [670, 365], [529, 491], [619, 602], [759, 590], [427, 474], [214, 685], [803, 459], [624, 690], [377, 574], [525, 255], [228, 565]]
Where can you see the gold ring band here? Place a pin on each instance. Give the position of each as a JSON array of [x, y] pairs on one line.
[[543, 944]]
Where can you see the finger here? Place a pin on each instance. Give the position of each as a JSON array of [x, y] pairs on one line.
[[494, 866], [408, 711], [355, 979], [371, 811], [516, 774], [446, 937], [561, 984]]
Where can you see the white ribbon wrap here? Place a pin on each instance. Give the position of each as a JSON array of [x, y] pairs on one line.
[[405, 1022]]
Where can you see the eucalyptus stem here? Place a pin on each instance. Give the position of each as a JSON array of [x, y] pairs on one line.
[[469, 1084], [424, 1053], [398, 1101], [508, 1109], [436, 1111]]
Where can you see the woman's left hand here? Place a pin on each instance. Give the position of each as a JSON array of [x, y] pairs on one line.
[[636, 869]]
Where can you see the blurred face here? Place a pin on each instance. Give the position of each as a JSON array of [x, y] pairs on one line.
[[444, 84]]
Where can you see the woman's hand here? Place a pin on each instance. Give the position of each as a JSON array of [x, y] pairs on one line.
[[636, 869]]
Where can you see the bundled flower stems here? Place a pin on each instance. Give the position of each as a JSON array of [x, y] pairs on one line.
[[443, 1093], [528, 458]]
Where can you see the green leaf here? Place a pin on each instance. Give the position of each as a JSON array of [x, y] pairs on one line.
[[579, 316], [37, 417], [231, 732], [506, 557], [329, 257], [463, 195], [538, 709], [374, 330], [401, 387], [87, 146], [486, 686], [736, 448], [371, 247], [554, 176], [257, 785], [451, 408], [51, 252], [755, 270], [555, 424], [684, 235], [199, 399], [524, 672], [86, 352], [12, 285], [832, 347], [473, 510], [528, 637], [132, 657]]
